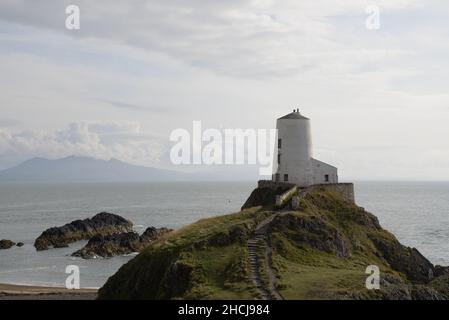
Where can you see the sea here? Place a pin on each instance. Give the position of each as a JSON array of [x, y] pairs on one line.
[[417, 213]]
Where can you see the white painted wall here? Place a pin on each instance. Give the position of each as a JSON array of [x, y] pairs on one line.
[[295, 151], [296, 154], [321, 169]]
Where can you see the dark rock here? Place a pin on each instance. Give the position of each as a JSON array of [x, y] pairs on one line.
[[239, 233], [441, 284], [265, 197], [312, 231], [102, 224], [404, 259], [152, 233], [396, 292], [367, 219], [441, 271], [119, 244], [177, 279], [236, 234], [20, 244], [110, 245], [6, 244], [219, 239], [392, 287], [420, 292]]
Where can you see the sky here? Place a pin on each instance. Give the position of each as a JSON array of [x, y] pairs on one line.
[[137, 70]]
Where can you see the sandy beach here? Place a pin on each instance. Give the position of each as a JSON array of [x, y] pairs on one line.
[[21, 292]]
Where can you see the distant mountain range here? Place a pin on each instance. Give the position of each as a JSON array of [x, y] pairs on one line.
[[85, 169]]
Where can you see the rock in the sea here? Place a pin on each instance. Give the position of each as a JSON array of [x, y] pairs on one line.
[[110, 245], [6, 244], [20, 244], [118, 244], [102, 224]]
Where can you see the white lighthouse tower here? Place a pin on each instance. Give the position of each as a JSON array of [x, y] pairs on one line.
[[294, 162]]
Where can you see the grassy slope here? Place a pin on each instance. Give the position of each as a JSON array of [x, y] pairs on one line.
[[209, 258], [197, 261], [308, 273]]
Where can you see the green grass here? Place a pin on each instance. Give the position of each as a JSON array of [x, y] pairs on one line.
[[307, 273], [225, 274]]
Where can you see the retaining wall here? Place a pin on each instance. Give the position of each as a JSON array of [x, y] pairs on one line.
[[346, 190]]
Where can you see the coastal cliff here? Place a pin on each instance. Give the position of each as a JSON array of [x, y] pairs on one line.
[[320, 250]]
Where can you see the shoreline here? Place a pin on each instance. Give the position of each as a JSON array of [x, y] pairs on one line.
[[32, 292]]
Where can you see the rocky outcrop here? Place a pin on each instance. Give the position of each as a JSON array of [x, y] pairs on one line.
[[441, 271], [119, 244], [102, 224], [404, 259], [6, 244], [110, 245], [441, 281], [312, 231], [321, 250], [393, 287], [152, 234], [264, 196]]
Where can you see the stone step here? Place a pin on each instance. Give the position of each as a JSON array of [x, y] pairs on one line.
[[257, 260]]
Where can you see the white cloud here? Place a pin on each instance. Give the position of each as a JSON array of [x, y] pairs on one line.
[[103, 140], [245, 38]]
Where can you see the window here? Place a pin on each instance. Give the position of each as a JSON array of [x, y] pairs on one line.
[[278, 177], [279, 143], [279, 159], [285, 177], [326, 178]]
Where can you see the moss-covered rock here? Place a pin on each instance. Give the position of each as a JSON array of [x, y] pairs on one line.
[[6, 244]]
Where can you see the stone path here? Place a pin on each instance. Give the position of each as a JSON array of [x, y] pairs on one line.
[[259, 249]]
